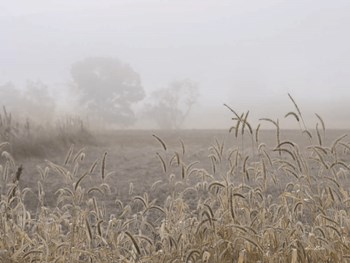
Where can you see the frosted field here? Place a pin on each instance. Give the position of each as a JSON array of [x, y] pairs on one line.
[[132, 158], [186, 196]]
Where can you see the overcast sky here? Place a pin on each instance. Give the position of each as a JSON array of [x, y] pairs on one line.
[[247, 53]]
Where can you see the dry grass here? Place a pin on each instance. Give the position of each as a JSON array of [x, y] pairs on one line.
[[266, 203], [27, 138]]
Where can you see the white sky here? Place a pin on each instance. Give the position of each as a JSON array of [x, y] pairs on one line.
[[247, 53]]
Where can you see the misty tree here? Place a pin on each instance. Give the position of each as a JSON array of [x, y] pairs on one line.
[[33, 101], [9, 96], [38, 101], [108, 89], [169, 107], [30, 103], [9, 99]]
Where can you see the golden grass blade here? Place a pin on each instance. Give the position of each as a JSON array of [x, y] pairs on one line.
[[160, 141], [237, 116], [295, 104], [80, 179], [103, 166], [69, 154], [322, 123], [134, 242], [162, 161], [318, 135], [257, 133], [292, 114], [183, 147]]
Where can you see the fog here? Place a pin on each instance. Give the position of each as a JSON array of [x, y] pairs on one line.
[[248, 54]]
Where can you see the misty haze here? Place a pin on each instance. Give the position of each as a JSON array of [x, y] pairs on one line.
[[174, 131]]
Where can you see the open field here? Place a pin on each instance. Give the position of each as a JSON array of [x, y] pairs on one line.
[[180, 196], [132, 158]]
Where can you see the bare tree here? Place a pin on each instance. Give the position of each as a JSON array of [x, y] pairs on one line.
[[169, 107]]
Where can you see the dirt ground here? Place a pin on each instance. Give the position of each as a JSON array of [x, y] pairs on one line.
[[132, 159]]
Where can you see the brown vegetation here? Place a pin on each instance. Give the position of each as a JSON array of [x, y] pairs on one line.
[[252, 200]]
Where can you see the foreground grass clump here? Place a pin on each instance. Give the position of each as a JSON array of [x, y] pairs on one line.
[[269, 203]]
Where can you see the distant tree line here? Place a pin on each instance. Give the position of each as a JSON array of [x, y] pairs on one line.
[[33, 102], [107, 89]]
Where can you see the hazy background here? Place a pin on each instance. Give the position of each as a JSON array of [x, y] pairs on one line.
[[248, 54]]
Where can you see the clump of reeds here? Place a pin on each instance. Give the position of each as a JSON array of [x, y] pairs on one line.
[[32, 139]]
